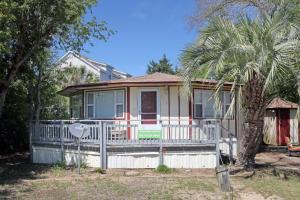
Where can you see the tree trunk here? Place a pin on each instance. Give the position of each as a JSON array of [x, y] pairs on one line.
[[3, 92], [31, 102], [254, 110], [18, 60], [38, 96]]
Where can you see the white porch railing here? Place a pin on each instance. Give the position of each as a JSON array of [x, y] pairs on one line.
[[124, 132]]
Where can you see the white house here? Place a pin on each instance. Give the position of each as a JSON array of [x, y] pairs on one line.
[[140, 122], [104, 71]]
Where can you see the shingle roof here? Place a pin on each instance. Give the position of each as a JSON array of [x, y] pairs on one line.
[[158, 77], [280, 103], [155, 79]]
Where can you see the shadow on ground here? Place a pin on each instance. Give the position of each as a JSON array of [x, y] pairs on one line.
[[17, 168]]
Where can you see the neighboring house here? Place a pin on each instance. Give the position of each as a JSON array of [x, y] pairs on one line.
[[141, 122], [104, 71], [281, 121]]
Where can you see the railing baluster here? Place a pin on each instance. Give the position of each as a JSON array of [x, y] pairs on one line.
[[117, 133]]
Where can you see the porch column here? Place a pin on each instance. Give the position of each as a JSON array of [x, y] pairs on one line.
[[128, 111], [190, 114]]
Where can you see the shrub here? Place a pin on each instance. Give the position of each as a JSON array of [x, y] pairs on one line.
[[83, 165], [163, 169], [100, 171], [60, 165]]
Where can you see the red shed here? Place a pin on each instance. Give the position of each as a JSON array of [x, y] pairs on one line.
[[281, 121]]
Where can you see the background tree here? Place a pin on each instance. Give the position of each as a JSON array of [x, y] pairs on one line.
[[30, 26], [253, 53], [163, 66], [73, 76], [232, 9], [30, 32]]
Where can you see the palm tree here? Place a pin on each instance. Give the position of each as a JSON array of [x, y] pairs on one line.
[[73, 76], [253, 54]]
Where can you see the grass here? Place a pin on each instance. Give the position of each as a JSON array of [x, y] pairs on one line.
[[163, 169], [196, 184], [60, 165], [83, 165], [45, 184], [268, 185], [99, 170]]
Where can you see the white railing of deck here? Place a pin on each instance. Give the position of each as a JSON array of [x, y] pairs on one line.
[[124, 132]]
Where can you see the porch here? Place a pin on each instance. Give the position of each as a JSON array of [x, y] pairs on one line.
[[120, 144]]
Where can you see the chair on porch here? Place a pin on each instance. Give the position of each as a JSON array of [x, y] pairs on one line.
[[291, 147], [117, 132]]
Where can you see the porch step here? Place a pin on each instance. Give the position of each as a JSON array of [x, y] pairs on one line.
[[273, 148]]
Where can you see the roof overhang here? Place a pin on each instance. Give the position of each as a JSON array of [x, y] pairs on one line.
[[278, 103], [73, 89]]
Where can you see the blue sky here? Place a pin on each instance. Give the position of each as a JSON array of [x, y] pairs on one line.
[[146, 29]]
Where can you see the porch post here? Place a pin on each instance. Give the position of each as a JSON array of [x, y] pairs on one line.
[[62, 140], [100, 142], [30, 141], [161, 156], [230, 148], [103, 143], [217, 143], [128, 112]]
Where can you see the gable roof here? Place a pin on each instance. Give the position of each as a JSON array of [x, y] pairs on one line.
[[156, 79], [280, 103], [99, 66]]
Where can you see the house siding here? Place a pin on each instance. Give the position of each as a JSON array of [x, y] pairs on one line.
[[294, 126], [174, 107], [75, 62]]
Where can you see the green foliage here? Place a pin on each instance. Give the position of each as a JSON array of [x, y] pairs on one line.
[[100, 170], [163, 66], [254, 54], [83, 165], [62, 23], [163, 169], [30, 30], [239, 51], [60, 165], [73, 76], [286, 88], [13, 125], [30, 27]]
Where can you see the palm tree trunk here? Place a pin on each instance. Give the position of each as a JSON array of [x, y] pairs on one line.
[[254, 110]]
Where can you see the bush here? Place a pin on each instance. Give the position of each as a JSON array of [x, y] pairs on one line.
[[60, 165], [100, 171], [163, 169], [83, 165]]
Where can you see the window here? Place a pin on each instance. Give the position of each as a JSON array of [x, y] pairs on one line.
[[204, 104], [90, 99], [198, 106], [105, 104], [119, 103], [226, 102], [76, 106]]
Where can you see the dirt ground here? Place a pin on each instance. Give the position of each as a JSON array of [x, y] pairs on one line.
[[21, 180], [279, 160]]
